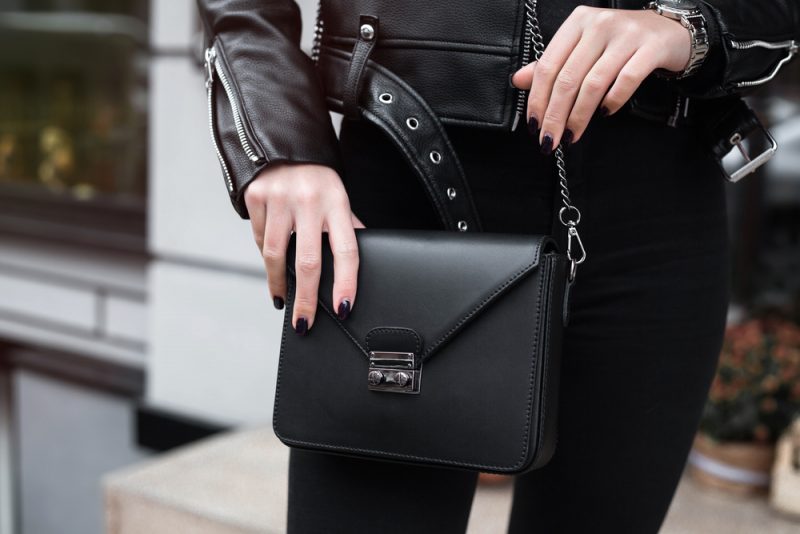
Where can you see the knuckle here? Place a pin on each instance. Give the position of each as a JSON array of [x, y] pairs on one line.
[[347, 249], [308, 195], [604, 19], [305, 304], [595, 82], [308, 262], [553, 116], [566, 81], [272, 251]]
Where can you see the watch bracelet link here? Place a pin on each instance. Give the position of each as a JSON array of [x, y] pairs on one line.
[[695, 23]]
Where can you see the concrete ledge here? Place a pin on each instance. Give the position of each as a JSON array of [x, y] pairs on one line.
[[231, 483]]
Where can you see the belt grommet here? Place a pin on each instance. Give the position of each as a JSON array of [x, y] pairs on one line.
[[462, 226], [386, 98], [436, 157], [451, 193], [412, 123]]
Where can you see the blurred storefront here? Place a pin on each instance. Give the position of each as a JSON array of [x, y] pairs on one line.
[[134, 313]]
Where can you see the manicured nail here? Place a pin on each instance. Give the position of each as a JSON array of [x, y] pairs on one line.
[[277, 302], [301, 326], [547, 143], [566, 139], [533, 126], [510, 83], [603, 111], [344, 310]]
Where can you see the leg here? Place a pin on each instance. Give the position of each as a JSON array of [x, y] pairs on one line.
[[333, 494], [647, 321]]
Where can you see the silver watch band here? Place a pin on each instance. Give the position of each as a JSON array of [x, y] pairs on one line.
[[694, 21]]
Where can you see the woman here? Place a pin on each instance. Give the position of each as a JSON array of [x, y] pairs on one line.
[[649, 309]]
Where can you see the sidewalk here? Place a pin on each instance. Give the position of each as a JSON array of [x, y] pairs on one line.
[[236, 483]]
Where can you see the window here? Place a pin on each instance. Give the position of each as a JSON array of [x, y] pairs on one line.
[[73, 83]]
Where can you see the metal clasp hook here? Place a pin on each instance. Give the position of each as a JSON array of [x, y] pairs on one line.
[[572, 234]]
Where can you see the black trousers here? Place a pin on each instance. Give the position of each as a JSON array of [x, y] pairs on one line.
[[648, 314]]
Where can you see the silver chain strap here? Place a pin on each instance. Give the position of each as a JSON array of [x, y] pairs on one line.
[[569, 215]]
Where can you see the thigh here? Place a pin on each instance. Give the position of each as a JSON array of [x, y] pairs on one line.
[[648, 314], [513, 190]]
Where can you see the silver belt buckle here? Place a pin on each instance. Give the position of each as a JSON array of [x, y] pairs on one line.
[[394, 372], [744, 163]]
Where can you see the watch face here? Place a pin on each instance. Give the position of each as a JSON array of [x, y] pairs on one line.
[[686, 5]]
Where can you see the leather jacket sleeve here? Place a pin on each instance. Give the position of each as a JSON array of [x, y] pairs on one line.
[[749, 42], [266, 103]]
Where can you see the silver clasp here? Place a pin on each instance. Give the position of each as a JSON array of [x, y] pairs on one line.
[[395, 372]]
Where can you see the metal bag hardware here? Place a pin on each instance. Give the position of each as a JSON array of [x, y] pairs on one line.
[[393, 372]]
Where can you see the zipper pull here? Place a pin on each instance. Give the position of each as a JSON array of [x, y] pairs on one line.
[[211, 56]]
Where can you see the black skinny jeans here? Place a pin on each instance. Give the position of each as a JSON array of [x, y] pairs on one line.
[[648, 314]]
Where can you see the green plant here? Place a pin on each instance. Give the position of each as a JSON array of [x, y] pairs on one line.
[[756, 391]]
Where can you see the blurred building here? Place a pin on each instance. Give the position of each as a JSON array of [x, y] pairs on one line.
[[134, 312]]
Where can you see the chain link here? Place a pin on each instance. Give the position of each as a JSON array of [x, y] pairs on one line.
[[569, 215]]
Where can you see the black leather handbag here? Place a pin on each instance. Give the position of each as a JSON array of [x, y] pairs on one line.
[[452, 355]]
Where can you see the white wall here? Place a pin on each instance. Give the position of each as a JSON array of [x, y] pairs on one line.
[[214, 335]]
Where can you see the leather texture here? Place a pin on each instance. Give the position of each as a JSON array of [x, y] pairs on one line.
[[457, 55], [487, 329], [418, 144]]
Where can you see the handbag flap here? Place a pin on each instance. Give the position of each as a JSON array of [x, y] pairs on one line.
[[433, 282]]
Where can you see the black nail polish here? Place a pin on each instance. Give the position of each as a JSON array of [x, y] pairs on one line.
[[547, 144], [344, 310], [510, 83], [301, 326], [533, 126], [566, 139], [277, 302], [603, 111]]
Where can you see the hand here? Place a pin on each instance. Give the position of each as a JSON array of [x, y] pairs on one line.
[[594, 49], [308, 199]]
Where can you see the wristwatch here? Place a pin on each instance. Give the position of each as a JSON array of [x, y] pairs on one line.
[[689, 15]]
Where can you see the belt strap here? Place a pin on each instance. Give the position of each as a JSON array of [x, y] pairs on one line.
[[388, 102]]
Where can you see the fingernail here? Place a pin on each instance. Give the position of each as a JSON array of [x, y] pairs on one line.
[[533, 126], [547, 143], [301, 326], [603, 111], [344, 310], [566, 139], [510, 83], [277, 302]]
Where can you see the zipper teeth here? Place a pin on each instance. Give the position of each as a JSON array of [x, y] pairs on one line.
[[319, 27], [777, 45], [237, 118], [526, 58], [210, 93]]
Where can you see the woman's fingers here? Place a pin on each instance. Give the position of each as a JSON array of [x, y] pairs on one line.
[[549, 66], [636, 69], [276, 238], [594, 88], [565, 88], [344, 247], [307, 266]]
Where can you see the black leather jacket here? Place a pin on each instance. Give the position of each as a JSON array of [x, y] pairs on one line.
[[268, 102]]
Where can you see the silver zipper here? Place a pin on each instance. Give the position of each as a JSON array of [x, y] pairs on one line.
[[527, 47], [210, 57], [319, 27], [789, 44], [237, 117], [533, 46]]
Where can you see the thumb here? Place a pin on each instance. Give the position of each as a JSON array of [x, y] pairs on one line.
[[523, 78]]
